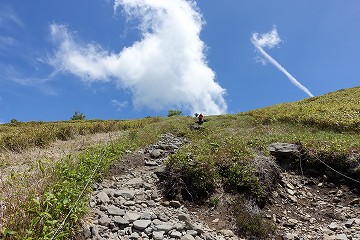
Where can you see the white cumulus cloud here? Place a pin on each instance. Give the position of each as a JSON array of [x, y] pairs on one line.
[[167, 68]]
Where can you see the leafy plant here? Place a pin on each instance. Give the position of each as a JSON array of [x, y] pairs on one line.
[[14, 121], [214, 201], [174, 113], [78, 116], [250, 223]]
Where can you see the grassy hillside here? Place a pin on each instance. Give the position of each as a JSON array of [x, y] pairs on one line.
[[337, 111], [227, 151]]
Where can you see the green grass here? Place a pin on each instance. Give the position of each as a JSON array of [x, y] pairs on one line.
[[20, 136], [219, 154], [339, 111]]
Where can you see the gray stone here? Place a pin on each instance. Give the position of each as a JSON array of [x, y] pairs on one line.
[[164, 227], [208, 236], [227, 232], [92, 204], [290, 223], [120, 220], [154, 195], [135, 236], [141, 224], [341, 237], [135, 182], [192, 232], [145, 216], [157, 222], [125, 193], [333, 226], [87, 231], [156, 153], [293, 198], [289, 236], [150, 163], [151, 203], [113, 210], [184, 217], [355, 201], [349, 223], [158, 235], [284, 150], [291, 192], [131, 216], [187, 237], [103, 197], [104, 221], [175, 204], [175, 234], [129, 203], [163, 217]]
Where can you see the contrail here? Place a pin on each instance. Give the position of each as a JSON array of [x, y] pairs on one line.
[[270, 40]]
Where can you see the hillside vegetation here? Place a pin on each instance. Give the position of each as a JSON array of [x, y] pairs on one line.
[[339, 111], [228, 151]]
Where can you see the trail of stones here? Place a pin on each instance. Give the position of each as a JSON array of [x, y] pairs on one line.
[[312, 208], [128, 204]]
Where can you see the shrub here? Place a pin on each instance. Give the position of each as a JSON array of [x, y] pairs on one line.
[[14, 121], [78, 116], [174, 113], [188, 179], [249, 221]]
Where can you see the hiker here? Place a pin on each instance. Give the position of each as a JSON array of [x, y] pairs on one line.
[[200, 118]]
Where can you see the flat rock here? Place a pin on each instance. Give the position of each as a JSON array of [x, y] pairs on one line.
[[125, 193], [132, 216], [135, 182], [120, 220], [158, 235], [104, 221], [156, 153], [175, 204], [103, 197], [164, 227], [115, 211], [141, 224], [333, 226], [341, 237], [187, 237]]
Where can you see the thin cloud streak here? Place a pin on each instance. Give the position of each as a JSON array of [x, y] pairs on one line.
[[8, 16], [167, 68], [271, 40]]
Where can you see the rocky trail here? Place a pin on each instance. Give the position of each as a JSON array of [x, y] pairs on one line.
[[128, 204], [310, 208]]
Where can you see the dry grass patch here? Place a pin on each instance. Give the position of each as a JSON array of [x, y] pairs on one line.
[[26, 174]]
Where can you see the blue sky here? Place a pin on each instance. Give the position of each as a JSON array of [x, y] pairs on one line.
[[121, 59]]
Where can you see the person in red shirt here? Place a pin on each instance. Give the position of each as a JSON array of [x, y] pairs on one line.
[[200, 118]]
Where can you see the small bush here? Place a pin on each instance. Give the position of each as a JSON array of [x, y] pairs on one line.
[[174, 113], [249, 221], [78, 116], [14, 121], [187, 179]]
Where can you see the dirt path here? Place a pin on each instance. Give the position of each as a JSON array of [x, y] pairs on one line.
[[129, 205]]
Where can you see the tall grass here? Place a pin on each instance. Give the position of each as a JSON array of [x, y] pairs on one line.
[[339, 111], [20, 136]]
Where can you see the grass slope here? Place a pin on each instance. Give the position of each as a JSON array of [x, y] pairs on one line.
[[338, 111], [224, 152]]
